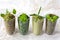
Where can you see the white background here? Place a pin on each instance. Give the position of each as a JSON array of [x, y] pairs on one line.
[[29, 7]]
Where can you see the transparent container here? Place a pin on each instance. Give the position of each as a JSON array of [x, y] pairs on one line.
[[10, 26], [37, 26], [50, 26], [23, 27]]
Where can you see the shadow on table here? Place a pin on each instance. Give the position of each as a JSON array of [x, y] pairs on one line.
[[56, 32]]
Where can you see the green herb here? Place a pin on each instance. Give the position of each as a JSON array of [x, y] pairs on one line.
[[2, 15], [52, 17], [23, 17], [14, 11], [7, 16], [37, 15]]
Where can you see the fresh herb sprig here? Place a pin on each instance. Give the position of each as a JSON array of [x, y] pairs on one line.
[[37, 15], [8, 15], [14, 11]]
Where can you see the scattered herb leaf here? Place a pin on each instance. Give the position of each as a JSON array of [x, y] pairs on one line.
[[14, 11]]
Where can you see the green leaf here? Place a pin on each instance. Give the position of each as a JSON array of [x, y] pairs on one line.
[[2, 15], [48, 16], [52, 20], [14, 11]]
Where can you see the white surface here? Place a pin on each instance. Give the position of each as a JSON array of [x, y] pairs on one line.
[[30, 6]]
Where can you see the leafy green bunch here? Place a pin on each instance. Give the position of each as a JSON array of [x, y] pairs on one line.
[[23, 17], [8, 16], [52, 17], [37, 16]]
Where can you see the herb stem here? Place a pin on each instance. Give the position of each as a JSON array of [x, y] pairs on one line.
[[39, 11]]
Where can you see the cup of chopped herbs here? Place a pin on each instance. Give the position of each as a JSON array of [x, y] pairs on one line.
[[37, 23], [23, 22], [51, 20], [9, 20]]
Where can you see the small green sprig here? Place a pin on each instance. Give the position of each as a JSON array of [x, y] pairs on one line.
[[2, 15], [8, 15], [14, 11], [52, 17], [37, 15]]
